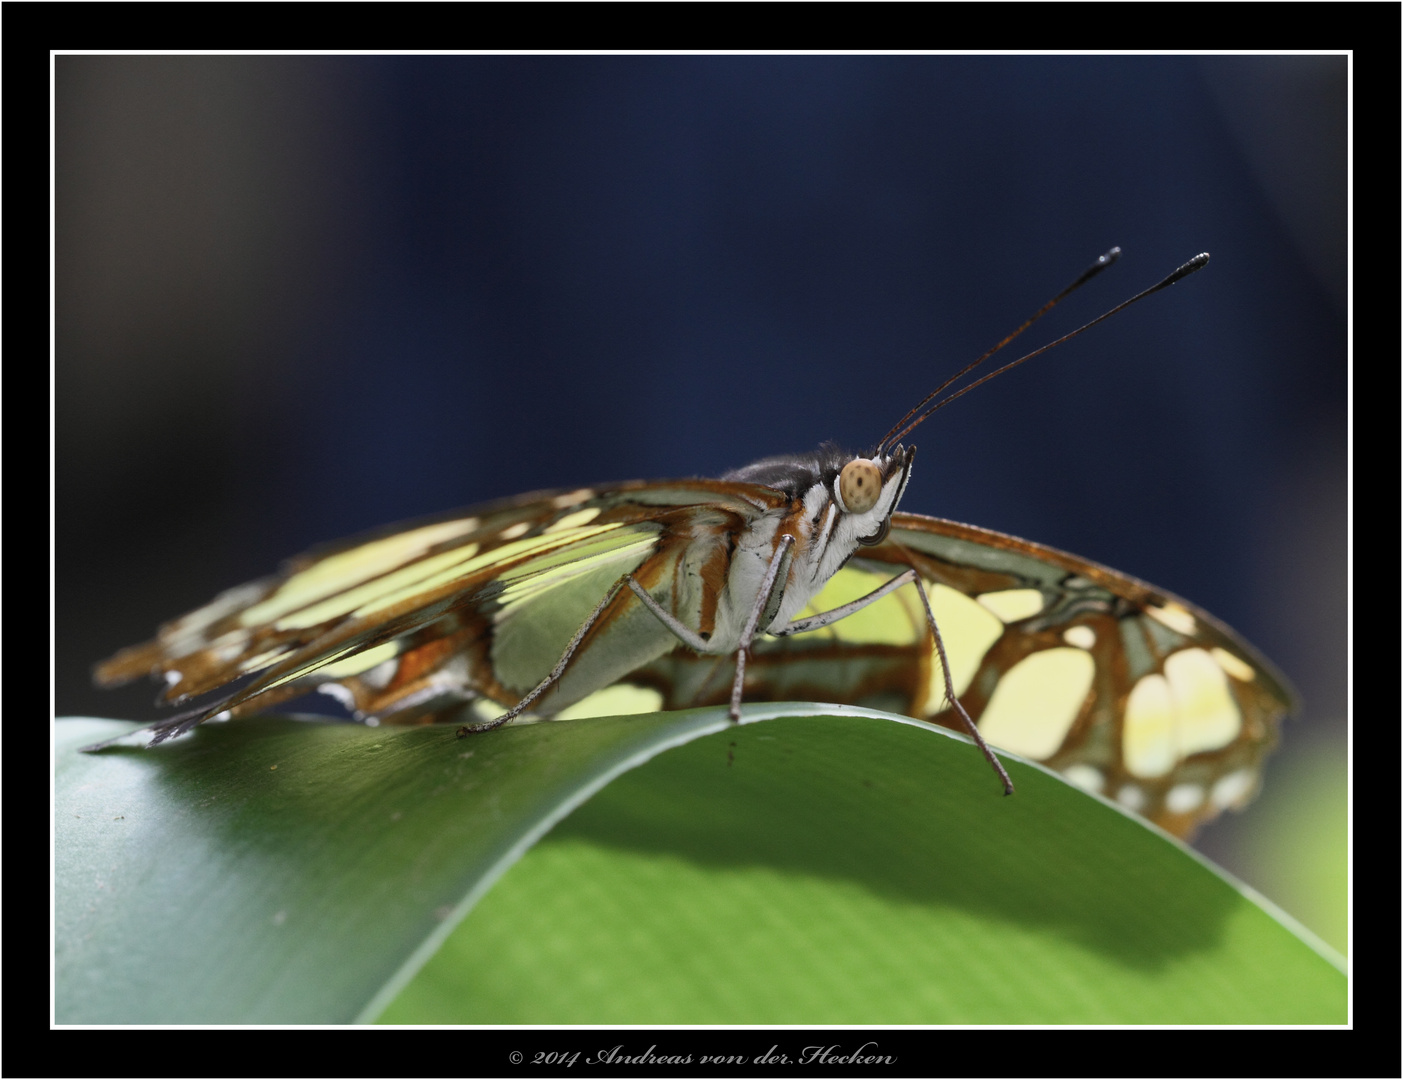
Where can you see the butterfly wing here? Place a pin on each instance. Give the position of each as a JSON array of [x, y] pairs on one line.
[[467, 609], [1127, 690]]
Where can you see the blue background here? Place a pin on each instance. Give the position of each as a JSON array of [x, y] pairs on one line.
[[297, 297]]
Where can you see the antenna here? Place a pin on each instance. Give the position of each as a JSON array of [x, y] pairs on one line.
[[898, 432]]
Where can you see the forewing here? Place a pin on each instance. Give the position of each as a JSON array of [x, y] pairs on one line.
[[400, 621]]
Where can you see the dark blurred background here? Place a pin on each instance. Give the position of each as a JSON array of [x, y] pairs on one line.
[[298, 297]]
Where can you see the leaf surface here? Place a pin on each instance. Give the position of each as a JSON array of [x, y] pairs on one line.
[[814, 865]]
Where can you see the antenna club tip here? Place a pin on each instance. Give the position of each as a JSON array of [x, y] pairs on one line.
[[1110, 257], [1198, 262]]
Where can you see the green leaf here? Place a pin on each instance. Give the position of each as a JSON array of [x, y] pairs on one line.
[[841, 868]]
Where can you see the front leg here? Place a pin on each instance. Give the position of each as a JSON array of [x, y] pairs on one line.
[[827, 618], [906, 577]]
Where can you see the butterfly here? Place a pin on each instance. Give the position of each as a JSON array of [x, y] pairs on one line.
[[793, 578]]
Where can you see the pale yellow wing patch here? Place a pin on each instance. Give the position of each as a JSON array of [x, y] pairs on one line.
[[621, 699], [1207, 716], [412, 578], [1013, 605], [340, 572], [1148, 731], [1187, 710], [541, 562], [432, 573], [575, 520], [363, 661], [1037, 701]]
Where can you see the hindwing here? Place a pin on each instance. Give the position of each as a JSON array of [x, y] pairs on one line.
[[1127, 690]]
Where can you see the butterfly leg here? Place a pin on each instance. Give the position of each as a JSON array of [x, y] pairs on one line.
[[989, 755], [828, 618], [907, 577], [748, 634], [694, 640], [685, 633], [559, 669]]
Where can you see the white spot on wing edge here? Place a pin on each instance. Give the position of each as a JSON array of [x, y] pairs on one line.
[[1086, 777], [342, 695], [1184, 798], [1239, 669], [1176, 617], [572, 498], [1233, 789], [1081, 637]]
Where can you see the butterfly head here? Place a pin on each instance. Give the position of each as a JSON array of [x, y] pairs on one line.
[[867, 490], [850, 498]]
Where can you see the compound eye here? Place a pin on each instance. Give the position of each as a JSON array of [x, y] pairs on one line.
[[859, 486]]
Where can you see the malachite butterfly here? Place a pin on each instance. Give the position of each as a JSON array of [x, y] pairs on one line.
[[794, 578]]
